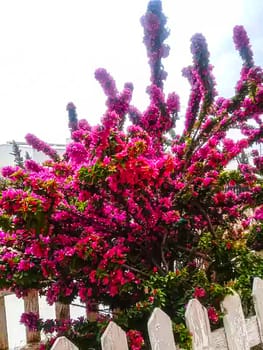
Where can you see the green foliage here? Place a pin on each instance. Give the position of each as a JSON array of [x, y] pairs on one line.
[[182, 336], [95, 174]]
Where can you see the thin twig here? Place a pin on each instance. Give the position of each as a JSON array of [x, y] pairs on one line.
[[135, 270], [196, 253], [205, 214], [163, 253]]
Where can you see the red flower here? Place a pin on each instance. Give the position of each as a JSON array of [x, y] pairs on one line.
[[199, 292], [136, 340], [228, 245], [212, 314], [151, 299]]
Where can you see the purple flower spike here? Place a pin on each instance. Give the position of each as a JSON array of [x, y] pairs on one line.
[[41, 146], [242, 44]]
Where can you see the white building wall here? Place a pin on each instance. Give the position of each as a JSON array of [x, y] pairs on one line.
[[6, 150]]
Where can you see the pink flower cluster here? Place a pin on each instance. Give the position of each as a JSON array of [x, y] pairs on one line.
[[72, 116], [242, 44], [155, 33], [41, 146], [135, 339], [124, 206]]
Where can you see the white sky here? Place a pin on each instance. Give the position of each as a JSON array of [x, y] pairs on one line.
[[49, 50]]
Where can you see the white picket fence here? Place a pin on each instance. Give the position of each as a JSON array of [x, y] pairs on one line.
[[238, 333]]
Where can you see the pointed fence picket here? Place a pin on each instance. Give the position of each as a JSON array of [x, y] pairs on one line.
[[238, 333], [160, 331], [234, 323], [197, 322], [114, 338], [257, 294], [62, 343]]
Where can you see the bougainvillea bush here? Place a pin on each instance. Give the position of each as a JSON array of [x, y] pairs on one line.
[[135, 214]]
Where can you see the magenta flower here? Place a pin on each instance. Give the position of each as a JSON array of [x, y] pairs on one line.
[[72, 115], [33, 166], [213, 315], [259, 213], [242, 44], [199, 292], [77, 152], [30, 320], [107, 82], [136, 215], [41, 146], [154, 35], [7, 171]]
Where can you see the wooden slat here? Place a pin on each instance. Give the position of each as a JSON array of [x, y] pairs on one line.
[[198, 324], [160, 331], [234, 323], [114, 338], [31, 305], [257, 294], [253, 331], [3, 325], [219, 339]]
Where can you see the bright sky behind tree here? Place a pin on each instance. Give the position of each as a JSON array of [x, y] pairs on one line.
[[50, 50]]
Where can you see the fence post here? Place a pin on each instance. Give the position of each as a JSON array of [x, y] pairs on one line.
[[92, 311], [234, 323], [3, 325], [62, 311], [160, 331], [114, 338], [31, 305], [198, 324]]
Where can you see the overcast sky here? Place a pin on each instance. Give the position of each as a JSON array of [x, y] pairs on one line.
[[50, 49]]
